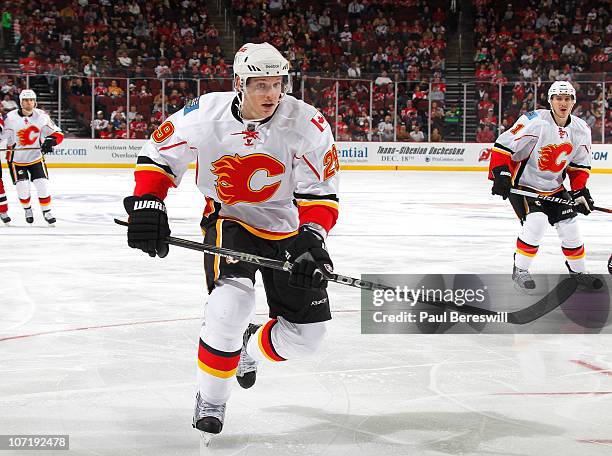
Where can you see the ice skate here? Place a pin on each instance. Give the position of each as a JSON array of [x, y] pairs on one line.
[[49, 217], [584, 279], [247, 367], [208, 418], [5, 218], [523, 279], [29, 215]]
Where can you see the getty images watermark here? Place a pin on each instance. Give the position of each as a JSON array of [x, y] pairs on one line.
[[438, 297], [484, 303]]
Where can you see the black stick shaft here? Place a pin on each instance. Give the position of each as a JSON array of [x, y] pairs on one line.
[[542, 307], [554, 199]]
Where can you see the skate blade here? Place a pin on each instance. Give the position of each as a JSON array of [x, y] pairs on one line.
[[527, 291], [205, 439]]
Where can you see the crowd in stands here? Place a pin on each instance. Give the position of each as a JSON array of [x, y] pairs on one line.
[[350, 58], [133, 38], [535, 43], [383, 41]]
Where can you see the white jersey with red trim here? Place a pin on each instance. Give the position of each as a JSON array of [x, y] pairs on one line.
[[27, 132], [256, 170], [544, 152]]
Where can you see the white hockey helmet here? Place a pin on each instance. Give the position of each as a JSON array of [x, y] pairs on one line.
[[27, 94], [561, 88], [255, 60]]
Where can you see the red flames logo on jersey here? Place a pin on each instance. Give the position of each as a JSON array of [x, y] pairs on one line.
[[28, 136], [549, 157], [234, 175]]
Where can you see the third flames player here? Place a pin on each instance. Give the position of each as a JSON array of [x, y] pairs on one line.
[[536, 154]]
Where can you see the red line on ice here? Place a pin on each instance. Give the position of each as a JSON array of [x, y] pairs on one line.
[[593, 367]]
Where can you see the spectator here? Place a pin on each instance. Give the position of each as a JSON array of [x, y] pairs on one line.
[[452, 119], [8, 104], [354, 70], [114, 90], [109, 133], [121, 132], [117, 117], [416, 135], [162, 70], [385, 129], [131, 115], [99, 124], [436, 136], [485, 135], [29, 64], [138, 127], [589, 118], [402, 133]]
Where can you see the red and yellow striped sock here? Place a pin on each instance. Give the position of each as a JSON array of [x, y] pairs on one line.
[[216, 362], [264, 340]]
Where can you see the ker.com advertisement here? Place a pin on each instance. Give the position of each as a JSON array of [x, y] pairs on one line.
[[485, 303]]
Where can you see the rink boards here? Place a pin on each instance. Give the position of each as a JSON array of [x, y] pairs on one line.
[[122, 153]]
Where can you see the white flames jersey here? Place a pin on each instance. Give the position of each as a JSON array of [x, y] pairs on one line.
[[254, 169], [545, 150], [27, 132]]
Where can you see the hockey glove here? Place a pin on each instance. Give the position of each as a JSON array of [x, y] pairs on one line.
[[584, 200], [47, 145], [502, 181], [148, 224], [311, 262]]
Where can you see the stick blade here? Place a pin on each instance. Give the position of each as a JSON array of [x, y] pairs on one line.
[[557, 296]]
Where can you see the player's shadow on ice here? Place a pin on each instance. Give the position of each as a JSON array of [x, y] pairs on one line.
[[415, 432]]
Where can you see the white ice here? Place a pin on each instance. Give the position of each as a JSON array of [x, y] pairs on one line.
[[98, 341]]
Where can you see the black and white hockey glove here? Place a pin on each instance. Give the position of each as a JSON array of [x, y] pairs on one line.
[[502, 181], [148, 224], [48, 144], [309, 258], [584, 200]]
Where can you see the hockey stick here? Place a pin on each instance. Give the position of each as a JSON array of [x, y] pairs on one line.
[[25, 148], [554, 199], [548, 303]]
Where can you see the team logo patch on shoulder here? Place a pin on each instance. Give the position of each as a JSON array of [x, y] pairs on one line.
[[531, 114], [319, 121], [191, 105]]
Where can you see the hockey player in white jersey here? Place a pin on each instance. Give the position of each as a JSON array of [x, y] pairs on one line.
[[536, 154], [3, 201], [30, 133], [268, 168]]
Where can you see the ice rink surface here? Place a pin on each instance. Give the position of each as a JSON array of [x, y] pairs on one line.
[[98, 341]]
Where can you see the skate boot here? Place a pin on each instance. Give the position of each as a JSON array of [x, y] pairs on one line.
[[247, 367], [29, 215], [523, 279], [584, 279], [208, 417], [49, 217], [5, 218]]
